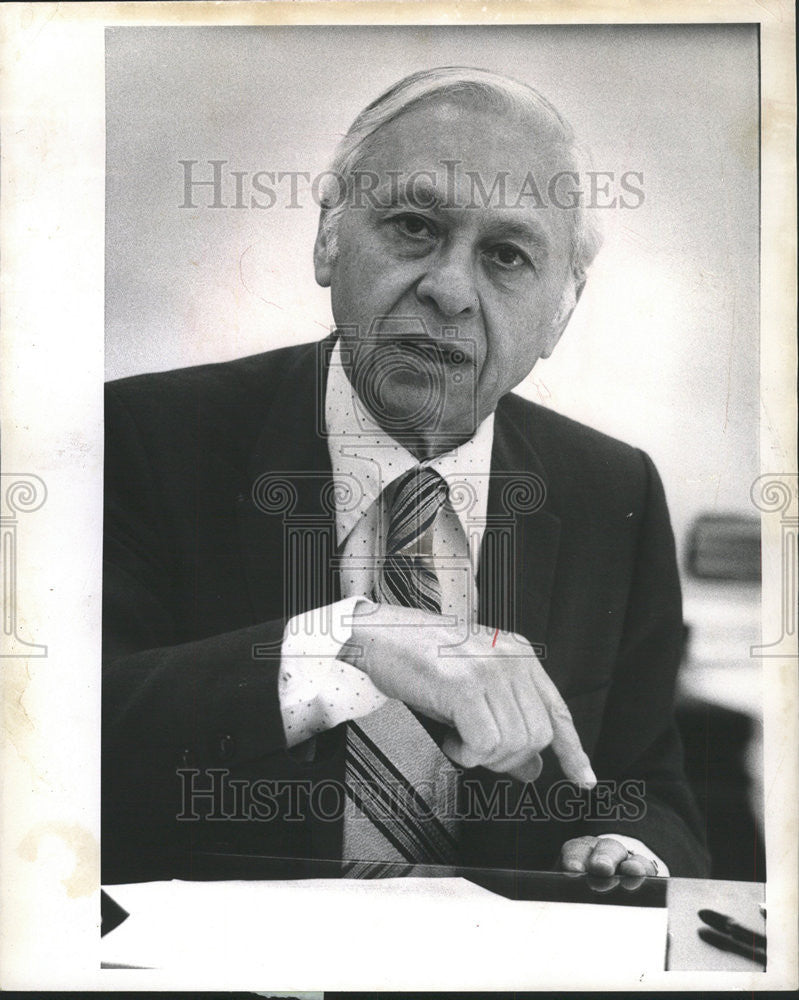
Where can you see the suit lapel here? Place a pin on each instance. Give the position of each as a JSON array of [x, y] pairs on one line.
[[520, 545], [287, 520]]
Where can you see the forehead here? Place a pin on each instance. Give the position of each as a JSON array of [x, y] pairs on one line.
[[465, 129], [463, 153]]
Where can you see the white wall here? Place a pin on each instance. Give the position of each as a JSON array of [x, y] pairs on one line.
[[663, 348]]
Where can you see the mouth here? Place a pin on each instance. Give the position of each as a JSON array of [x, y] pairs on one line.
[[440, 354]]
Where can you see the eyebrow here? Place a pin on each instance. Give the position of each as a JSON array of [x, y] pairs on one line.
[[423, 195], [530, 233], [418, 194]]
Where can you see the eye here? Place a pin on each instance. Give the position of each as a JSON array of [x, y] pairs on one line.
[[507, 256], [416, 227]]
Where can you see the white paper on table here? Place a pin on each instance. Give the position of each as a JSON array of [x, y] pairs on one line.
[[380, 934]]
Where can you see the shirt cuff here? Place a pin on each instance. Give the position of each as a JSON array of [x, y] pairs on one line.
[[662, 869], [317, 691]]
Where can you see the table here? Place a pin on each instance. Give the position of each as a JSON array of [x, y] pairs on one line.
[[685, 897], [682, 898]]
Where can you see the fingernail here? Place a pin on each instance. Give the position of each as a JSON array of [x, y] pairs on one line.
[[589, 778], [603, 866]]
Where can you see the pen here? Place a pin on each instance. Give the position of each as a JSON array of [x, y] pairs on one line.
[[726, 925], [725, 943]]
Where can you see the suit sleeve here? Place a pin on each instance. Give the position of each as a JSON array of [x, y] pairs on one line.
[[167, 703], [639, 742], [160, 691]]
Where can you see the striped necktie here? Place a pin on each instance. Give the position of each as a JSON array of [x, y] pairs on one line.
[[402, 789]]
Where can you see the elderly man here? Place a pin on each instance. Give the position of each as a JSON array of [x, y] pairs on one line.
[[363, 603]]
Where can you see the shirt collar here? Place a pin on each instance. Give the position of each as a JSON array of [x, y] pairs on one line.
[[365, 459]]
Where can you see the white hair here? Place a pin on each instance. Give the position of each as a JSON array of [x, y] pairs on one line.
[[494, 91]]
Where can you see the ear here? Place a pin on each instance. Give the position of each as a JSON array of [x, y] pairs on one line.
[[322, 261], [569, 299]]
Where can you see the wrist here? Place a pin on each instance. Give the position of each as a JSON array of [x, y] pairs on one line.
[[353, 651]]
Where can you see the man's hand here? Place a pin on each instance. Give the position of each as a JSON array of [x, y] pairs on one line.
[[603, 857], [493, 691]]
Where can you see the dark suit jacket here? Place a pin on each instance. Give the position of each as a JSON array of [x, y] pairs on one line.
[[200, 579]]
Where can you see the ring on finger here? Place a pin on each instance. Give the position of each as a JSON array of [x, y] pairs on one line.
[[632, 854]]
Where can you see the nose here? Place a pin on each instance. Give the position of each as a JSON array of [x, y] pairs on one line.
[[449, 285]]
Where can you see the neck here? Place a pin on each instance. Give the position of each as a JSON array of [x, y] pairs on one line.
[[424, 447], [423, 442]]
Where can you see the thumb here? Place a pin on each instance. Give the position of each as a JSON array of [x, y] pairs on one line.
[[529, 769], [458, 751]]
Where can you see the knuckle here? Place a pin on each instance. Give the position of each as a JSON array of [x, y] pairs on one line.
[[560, 712], [470, 688], [517, 671], [511, 746], [481, 743], [521, 743], [542, 733]]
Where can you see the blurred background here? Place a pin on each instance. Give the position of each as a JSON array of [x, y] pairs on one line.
[[662, 350]]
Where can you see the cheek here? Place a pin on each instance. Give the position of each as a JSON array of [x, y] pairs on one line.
[[512, 348], [368, 281], [352, 289], [511, 336]]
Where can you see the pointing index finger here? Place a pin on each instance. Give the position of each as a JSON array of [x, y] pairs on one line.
[[565, 741]]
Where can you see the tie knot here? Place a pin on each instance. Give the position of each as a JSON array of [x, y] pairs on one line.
[[419, 496]]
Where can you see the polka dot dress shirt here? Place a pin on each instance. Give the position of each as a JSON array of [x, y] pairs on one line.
[[318, 691]]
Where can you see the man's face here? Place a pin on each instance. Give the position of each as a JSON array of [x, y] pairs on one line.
[[485, 276]]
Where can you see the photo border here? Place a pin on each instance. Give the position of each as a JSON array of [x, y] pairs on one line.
[[53, 116]]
